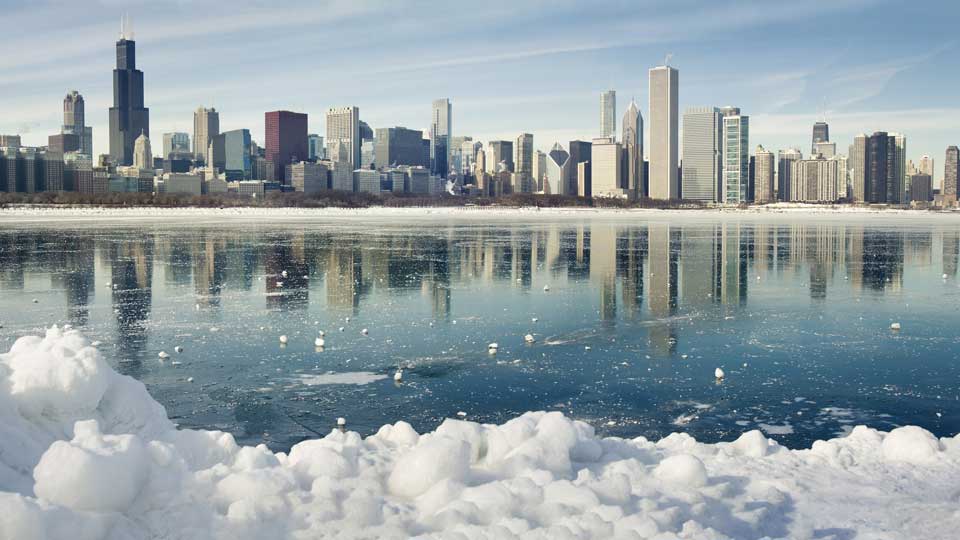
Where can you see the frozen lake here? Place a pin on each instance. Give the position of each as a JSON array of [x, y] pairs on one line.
[[638, 315]]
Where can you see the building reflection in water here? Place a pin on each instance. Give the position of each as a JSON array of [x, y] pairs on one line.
[[643, 274]]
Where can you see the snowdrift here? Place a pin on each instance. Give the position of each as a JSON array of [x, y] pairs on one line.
[[85, 453]]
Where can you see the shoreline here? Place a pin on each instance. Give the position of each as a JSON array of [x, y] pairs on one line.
[[23, 214]]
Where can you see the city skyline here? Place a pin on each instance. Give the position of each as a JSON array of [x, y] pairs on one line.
[[882, 92]]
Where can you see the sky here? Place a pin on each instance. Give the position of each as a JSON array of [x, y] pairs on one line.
[[508, 67]]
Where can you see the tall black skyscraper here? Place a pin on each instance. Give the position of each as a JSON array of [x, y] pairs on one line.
[[821, 133], [128, 117]]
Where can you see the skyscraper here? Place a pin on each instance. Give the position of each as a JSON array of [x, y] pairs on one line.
[[74, 122], [206, 126], [606, 168], [398, 146], [580, 169], [702, 138], [821, 133], [951, 168], [315, 148], [232, 154], [784, 172], [523, 154], [343, 129], [128, 117], [557, 171], [736, 156], [763, 175], [440, 133], [286, 140], [632, 139], [897, 178], [879, 164], [608, 114], [142, 156], [858, 162], [500, 151], [664, 133], [176, 143]]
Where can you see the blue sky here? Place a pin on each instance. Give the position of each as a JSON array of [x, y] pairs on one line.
[[508, 67]]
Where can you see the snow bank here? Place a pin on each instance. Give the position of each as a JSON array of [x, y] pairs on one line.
[[86, 454]]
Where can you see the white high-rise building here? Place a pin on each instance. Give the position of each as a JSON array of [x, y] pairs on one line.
[[539, 170], [206, 126], [142, 156], [926, 166], [343, 134], [736, 157], [664, 133], [702, 140], [557, 171], [608, 114], [632, 139], [606, 168], [858, 164]]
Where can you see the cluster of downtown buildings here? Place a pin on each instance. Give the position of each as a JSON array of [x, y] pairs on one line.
[[717, 165]]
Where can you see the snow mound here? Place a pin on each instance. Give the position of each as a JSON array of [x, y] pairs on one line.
[[86, 454]]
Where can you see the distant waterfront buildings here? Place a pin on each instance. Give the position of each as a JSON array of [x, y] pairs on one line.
[[233, 154], [608, 114], [784, 173], [315, 147], [500, 152], [285, 134], [664, 133], [129, 118], [557, 171], [399, 146], [142, 155], [606, 165], [580, 169]]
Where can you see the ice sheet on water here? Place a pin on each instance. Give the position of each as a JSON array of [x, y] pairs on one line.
[[359, 378], [86, 453]]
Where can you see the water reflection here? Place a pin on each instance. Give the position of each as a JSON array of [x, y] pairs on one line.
[[660, 266]]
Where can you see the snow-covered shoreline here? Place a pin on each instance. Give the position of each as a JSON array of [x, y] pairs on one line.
[[86, 453], [777, 212]]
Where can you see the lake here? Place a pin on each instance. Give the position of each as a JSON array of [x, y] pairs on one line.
[[629, 317]]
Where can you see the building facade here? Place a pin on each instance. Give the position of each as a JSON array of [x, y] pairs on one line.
[[632, 142], [736, 157], [664, 133], [398, 146], [286, 140], [763, 175], [343, 128], [702, 140], [206, 126], [608, 114]]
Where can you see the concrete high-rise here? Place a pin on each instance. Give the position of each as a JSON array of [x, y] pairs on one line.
[[608, 114], [206, 126], [315, 148], [74, 122], [664, 133], [702, 139], [440, 133], [128, 117], [821, 134], [343, 129], [763, 176], [285, 136], [951, 168], [632, 142], [606, 168], [736, 157]]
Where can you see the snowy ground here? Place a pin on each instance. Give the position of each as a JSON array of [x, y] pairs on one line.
[[781, 211], [86, 453]]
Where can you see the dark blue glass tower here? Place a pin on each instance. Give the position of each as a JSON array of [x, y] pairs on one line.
[[128, 117]]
